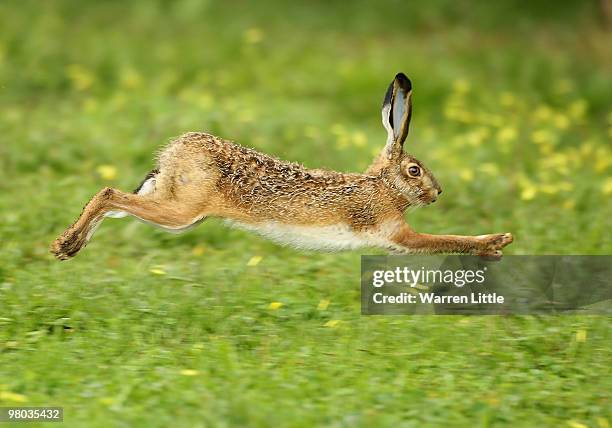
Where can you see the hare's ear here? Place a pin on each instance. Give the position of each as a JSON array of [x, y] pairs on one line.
[[396, 112]]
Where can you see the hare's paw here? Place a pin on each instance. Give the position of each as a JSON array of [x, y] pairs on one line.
[[500, 240], [493, 244], [67, 245]]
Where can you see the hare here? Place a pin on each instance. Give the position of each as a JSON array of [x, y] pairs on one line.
[[199, 175]]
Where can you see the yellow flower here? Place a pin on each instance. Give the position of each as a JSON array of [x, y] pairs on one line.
[[189, 372], [581, 336], [275, 305], [466, 174], [157, 270], [254, 261], [561, 121], [559, 161], [253, 35], [198, 250], [603, 159], [607, 186], [107, 172], [12, 396], [601, 164], [323, 304], [360, 139], [574, 424], [80, 77], [332, 323], [507, 134], [529, 192]]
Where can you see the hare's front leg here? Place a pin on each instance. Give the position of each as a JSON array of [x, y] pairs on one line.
[[407, 240], [169, 214]]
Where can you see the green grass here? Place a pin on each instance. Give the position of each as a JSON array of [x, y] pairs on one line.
[[511, 112]]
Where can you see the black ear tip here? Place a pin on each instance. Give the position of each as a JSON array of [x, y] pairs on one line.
[[403, 81]]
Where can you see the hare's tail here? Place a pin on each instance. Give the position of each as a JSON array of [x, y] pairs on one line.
[[146, 184]]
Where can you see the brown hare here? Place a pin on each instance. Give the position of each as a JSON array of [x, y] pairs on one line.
[[199, 175]]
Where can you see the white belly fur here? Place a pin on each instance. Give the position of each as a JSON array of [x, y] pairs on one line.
[[327, 238]]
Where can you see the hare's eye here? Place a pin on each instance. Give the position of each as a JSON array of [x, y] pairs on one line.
[[414, 171]]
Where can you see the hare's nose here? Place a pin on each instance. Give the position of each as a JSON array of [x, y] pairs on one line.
[[439, 191]]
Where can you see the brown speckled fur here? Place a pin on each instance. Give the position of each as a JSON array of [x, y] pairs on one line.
[[199, 175], [247, 185]]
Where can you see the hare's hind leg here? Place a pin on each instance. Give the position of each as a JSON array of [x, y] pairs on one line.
[[76, 236], [170, 214]]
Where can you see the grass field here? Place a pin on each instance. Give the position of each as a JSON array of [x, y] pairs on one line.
[[217, 327]]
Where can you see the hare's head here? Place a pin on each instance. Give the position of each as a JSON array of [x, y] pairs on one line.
[[402, 171]]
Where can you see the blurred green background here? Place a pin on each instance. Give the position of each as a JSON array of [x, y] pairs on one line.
[[220, 328]]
